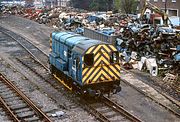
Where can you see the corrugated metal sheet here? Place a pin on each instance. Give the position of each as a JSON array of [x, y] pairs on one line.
[[100, 36]]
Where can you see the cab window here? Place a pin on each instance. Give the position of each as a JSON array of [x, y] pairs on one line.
[[89, 59], [114, 58]]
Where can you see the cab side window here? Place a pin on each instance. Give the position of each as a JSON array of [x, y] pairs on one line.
[[89, 59], [114, 57]]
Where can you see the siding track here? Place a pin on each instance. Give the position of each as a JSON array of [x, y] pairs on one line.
[[35, 52], [157, 96], [106, 110], [21, 108]]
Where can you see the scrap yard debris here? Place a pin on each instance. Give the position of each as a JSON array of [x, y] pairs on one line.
[[147, 47]]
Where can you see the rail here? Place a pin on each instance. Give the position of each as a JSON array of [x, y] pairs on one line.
[[25, 98], [154, 99], [121, 110], [27, 46], [11, 114], [111, 107]]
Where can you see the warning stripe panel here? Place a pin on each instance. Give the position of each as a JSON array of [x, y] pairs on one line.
[[98, 55], [102, 50], [102, 69], [110, 73], [91, 73], [104, 73], [99, 74], [101, 61], [99, 58]]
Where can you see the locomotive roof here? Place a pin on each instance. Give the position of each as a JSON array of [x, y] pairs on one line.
[[82, 47], [79, 43], [69, 38]]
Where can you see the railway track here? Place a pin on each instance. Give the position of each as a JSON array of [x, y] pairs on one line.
[[42, 60], [157, 96], [35, 67], [106, 110], [115, 108], [35, 52], [18, 106], [38, 65]]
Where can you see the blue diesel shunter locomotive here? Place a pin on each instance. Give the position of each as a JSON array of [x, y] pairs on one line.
[[85, 65]]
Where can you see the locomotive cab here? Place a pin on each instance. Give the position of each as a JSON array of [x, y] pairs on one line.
[[97, 67]]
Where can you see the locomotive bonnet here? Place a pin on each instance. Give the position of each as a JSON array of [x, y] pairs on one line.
[[84, 65]]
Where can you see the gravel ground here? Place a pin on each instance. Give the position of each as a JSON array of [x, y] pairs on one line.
[[129, 98], [157, 83], [29, 29], [3, 116], [36, 96], [143, 107]]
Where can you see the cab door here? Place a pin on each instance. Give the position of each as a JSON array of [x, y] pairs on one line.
[[76, 68]]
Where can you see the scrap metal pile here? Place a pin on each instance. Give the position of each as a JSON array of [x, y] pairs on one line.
[[146, 47]]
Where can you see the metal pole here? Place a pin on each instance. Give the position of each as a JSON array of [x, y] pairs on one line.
[[165, 17], [165, 5]]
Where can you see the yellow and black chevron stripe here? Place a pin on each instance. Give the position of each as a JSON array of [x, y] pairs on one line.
[[102, 70]]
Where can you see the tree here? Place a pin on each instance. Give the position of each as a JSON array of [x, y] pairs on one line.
[[96, 5], [117, 4], [84, 4], [126, 6]]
